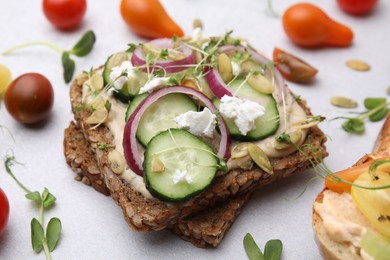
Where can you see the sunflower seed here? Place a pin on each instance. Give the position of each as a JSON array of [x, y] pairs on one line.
[[97, 117]]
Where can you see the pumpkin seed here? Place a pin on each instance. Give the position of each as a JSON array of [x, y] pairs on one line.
[[148, 48], [189, 83], [116, 162], [388, 90], [96, 103], [197, 24], [118, 58], [308, 122], [239, 151], [295, 138], [97, 117], [343, 102], [97, 82], [358, 65], [245, 163], [81, 78], [133, 85], [225, 68], [157, 164], [260, 158], [175, 55], [261, 83]]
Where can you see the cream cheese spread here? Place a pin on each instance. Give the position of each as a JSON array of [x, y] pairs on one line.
[[342, 220]]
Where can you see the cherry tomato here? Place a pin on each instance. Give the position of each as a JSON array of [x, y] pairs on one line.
[[308, 26], [29, 99], [148, 18], [65, 14], [5, 79], [357, 7], [293, 68], [4, 211]]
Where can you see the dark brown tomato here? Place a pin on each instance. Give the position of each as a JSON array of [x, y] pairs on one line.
[[29, 99]]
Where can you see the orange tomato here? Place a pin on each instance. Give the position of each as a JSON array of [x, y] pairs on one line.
[[308, 26], [148, 18]]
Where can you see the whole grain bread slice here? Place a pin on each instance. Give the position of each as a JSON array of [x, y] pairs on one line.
[[329, 248], [143, 214], [204, 229]]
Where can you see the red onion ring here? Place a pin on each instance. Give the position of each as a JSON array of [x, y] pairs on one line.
[[169, 65], [130, 143], [219, 87]]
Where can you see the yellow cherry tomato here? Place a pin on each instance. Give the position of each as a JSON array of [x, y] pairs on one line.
[[5, 79]]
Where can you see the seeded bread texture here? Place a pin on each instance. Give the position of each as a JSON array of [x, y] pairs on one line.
[[144, 214], [204, 229]]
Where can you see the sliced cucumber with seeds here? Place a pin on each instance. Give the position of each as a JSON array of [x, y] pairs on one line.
[[266, 125], [178, 152], [161, 115], [134, 104], [132, 86]]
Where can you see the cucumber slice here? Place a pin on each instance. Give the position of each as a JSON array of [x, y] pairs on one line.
[[161, 115], [375, 245], [134, 104], [113, 60], [266, 125], [178, 151], [132, 86]]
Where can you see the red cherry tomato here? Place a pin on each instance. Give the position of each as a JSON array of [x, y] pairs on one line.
[[357, 7], [29, 99], [293, 68], [4, 211], [65, 14]]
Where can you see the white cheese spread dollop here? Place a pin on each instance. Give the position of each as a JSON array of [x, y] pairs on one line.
[[244, 112], [154, 83], [198, 123], [120, 74], [182, 176]]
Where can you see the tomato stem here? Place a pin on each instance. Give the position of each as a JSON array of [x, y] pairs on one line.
[[27, 44]]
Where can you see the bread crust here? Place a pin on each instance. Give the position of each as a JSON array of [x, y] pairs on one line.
[[145, 215], [328, 248]]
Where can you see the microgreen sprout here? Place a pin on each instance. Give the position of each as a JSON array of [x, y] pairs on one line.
[[40, 240], [272, 250], [82, 48], [377, 109]]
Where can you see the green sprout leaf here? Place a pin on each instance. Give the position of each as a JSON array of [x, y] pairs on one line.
[[378, 105], [273, 249], [34, 196], [68, 65], [49, 201], [53, 233], [252, 250], [354, 125], [131, 48], [84, 46], [107, 105], [37, 235]]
